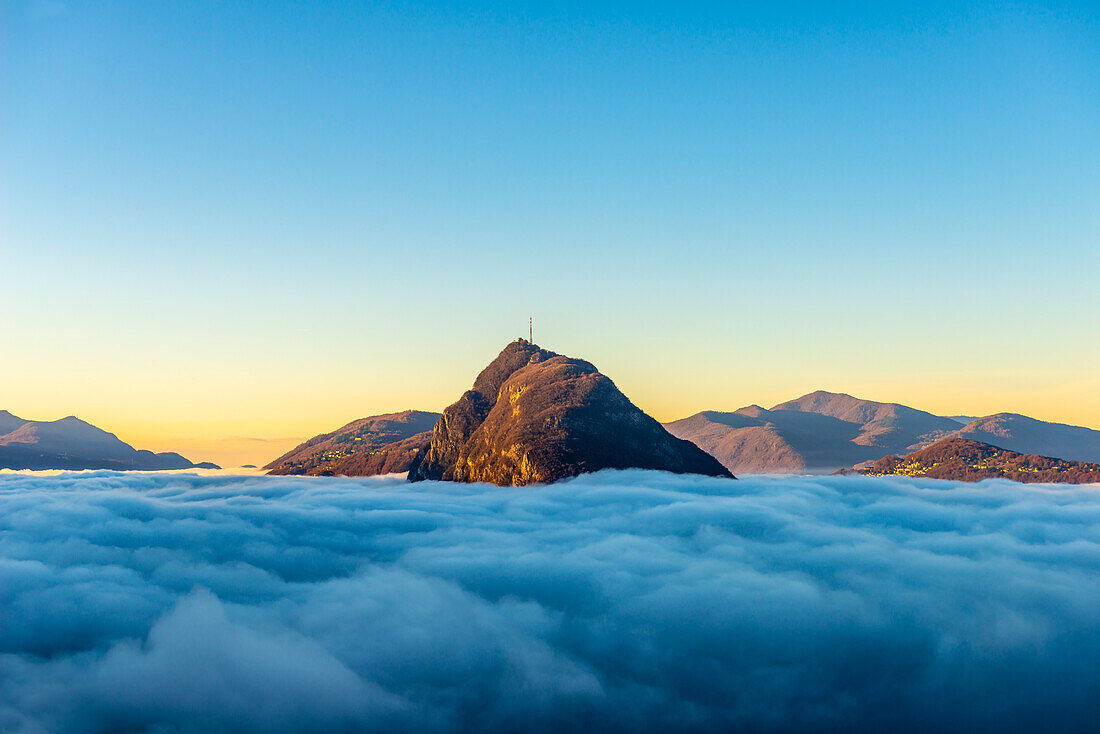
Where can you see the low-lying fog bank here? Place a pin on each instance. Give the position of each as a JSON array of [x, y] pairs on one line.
[[621, 601]]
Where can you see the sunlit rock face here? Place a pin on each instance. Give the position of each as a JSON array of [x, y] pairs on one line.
[[534, 416]]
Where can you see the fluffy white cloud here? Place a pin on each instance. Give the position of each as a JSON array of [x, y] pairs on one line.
[[620, 601]]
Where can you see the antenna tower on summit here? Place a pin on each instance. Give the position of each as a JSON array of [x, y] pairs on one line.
[[531, 329]]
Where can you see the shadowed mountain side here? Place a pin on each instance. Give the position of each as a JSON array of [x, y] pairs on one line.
[[70, 443], [70, 436], [9, 422], [961, 459], [820, 432], [758, 441], [1027, 435], [380, 444], [889, 426], [754, 450], [534, 416]]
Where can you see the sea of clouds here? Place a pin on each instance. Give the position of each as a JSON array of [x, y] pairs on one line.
[[621, 601]]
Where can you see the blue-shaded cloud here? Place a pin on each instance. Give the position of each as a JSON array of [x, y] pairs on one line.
[[619, 601]]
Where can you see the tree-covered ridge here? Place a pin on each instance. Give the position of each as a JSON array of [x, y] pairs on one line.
[[962, 459], [380, 444]]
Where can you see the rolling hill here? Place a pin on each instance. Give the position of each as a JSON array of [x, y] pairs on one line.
[[962, 459], [379, 444], [817, 433]]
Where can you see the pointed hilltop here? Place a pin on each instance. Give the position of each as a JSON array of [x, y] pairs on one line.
[[535, 416], [9, 422]]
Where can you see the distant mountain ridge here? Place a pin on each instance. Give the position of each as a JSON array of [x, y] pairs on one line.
[[1020, 433], [885, 425], [823, 432], [70, 443], [819, 432]]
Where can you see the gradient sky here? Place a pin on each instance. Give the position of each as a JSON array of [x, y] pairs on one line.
[[225, 227]]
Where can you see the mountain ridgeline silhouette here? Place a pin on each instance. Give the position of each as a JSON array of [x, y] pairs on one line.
[[819, 432], [824, 432], [70, 443], [534, 416]]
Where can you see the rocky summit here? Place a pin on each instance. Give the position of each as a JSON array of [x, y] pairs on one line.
[[534, 416]]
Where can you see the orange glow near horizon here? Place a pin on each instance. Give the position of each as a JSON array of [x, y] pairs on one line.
[[344, 209], [235, 422]]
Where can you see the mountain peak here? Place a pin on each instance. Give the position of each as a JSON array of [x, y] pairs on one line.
[[535, 416], [828, 394], [9, 422], [820, 400], [514, 356]]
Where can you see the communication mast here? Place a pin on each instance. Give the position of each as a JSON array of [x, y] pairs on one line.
[[531, 329]]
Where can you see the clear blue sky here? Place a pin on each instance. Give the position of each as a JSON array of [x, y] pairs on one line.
[[258, 219]]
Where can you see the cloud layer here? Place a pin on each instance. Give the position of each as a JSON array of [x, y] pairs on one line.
[[621, 601]]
